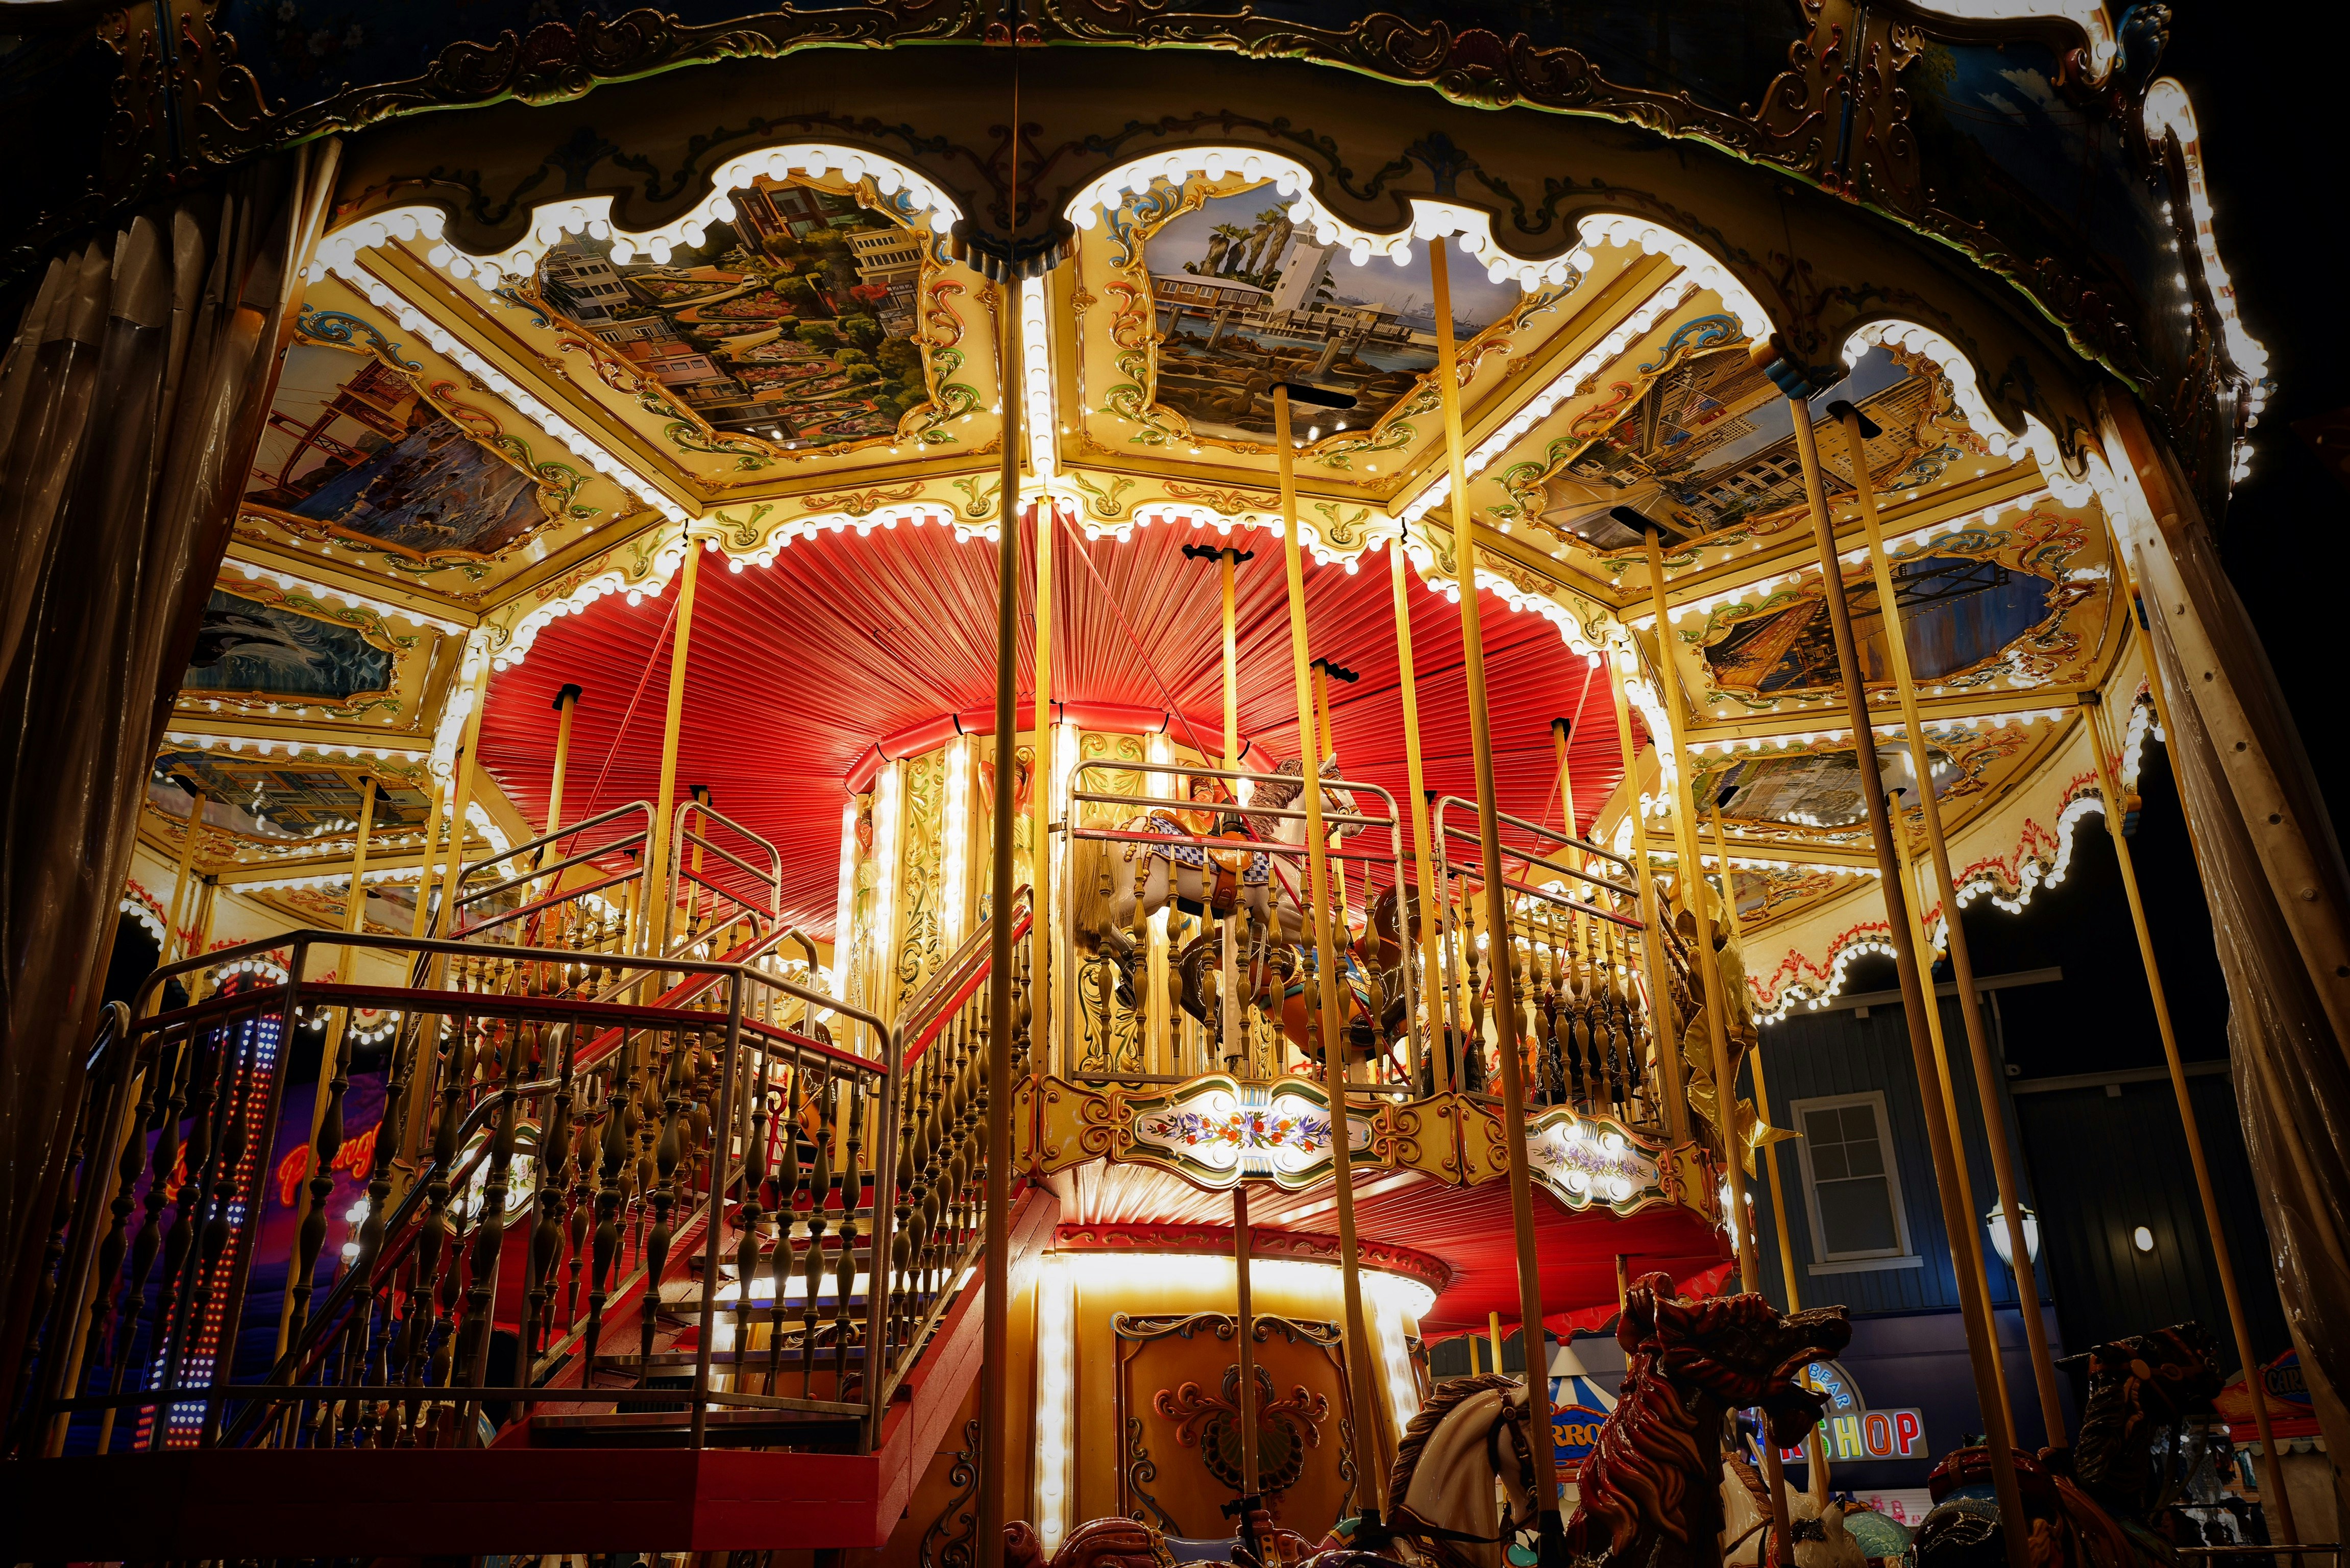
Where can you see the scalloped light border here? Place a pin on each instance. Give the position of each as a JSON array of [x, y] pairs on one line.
[[592, 215]]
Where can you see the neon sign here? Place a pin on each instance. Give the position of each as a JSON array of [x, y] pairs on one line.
[[1849, 1429]]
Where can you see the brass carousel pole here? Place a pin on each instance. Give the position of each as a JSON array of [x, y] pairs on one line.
[[1362, 1392], [1670, 1082], [654, 902], [460, 799], [1431, 988], [1045, 779], [1988, 1092], [2110, 789], [1970, 1259], [1497, 908], [995, 1306], [1324, 673], [1561, 732], [1717, 1015], [1228, 994], [1983, 1345], [1761, 1093], [183, 908]]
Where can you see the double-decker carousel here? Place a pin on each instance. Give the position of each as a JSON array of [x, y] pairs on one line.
[[756, 725]]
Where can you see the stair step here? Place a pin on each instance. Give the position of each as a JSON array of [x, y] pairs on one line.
[[807, 1430]]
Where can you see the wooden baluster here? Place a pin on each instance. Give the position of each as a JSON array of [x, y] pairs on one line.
[[755, 1177], [312, 1236], [212, 1243], [666, 1156], [1470, 963], [819, 1193], [901, 1242], [553, 1156], [585, 1184], [375, 1341], [489, 1233], [1542, 982], [851, 1194], [606, 1241], [791, 1193], [166, 1069]]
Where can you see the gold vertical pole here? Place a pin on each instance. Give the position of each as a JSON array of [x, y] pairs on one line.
[[1717, 1003], [567, 703], [1048, 771], [1322, 722], [422, 919], [1488, 838], [1988, 1089], [1561, 732], [1983, 1341], [1762, 1093], [654, 905], [1671, 1081], [2109, 787], [1494, 1333], [996, 1263], [183, 908], [1972, 1257], [1362, 1392], [461, 792], [1227, 560], [1245, 1339], [701, 795], [1431, 987]]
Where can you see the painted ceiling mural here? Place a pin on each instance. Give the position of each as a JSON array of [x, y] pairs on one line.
[[798, 322]]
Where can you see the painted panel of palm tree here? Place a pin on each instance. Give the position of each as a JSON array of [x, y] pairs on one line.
[[1245, 299], [353, 448], [796, 322], [278, 802], [1708, 444], [266, 651]]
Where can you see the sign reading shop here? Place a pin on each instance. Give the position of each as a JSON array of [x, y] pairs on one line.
[[1851, 1430]]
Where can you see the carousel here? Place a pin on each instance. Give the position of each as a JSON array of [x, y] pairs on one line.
[[922, 779]]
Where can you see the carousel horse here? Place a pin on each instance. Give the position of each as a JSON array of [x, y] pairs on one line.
[[2139, 1392], [1815, 1518], [1654, 1478], [1117, 886]]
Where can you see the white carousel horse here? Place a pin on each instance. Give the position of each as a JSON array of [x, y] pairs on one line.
[[1689, 1366], [1814, 1516]]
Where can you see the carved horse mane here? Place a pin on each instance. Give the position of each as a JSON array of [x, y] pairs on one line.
[[1654, 1475], [1439, 1499]]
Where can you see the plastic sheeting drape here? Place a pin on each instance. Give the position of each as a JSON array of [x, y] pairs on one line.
[[130, 398], [2292, 1072]]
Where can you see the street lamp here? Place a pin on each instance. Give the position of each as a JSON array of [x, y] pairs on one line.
[[1997, 1221]]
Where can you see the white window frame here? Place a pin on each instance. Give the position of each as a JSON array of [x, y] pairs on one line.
[[1900, 1256]]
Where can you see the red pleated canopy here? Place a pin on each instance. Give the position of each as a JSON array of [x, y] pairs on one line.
[[793, 671]]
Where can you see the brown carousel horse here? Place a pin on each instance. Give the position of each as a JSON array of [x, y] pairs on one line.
[[1651, 1487], [2093, 1507]]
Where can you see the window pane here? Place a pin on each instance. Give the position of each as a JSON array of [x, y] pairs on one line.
[[1822, 1127], [1827, 1162], [1857, 1217], [1863, 1155], [1859, 1124]]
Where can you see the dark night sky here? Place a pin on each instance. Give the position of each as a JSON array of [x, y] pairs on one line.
[[2273, 147]]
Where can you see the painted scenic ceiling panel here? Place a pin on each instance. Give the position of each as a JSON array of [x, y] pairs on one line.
[[1194, 298], [2016, 602], [266, 650], [382, 453], [818, 329]]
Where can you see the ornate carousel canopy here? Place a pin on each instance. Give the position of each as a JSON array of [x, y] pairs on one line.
[[1798, 393]]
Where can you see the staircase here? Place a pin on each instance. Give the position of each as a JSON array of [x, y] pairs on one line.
[[646, 1259]]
